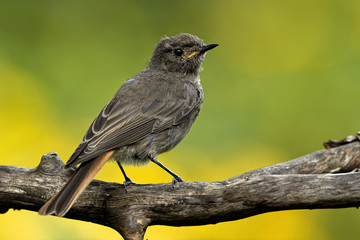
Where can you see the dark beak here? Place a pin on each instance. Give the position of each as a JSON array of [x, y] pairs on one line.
[[208, 47]]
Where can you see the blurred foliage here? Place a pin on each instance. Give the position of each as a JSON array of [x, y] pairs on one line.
[[284, 79]]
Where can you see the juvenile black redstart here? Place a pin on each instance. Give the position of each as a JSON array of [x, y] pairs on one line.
[[150, 114]]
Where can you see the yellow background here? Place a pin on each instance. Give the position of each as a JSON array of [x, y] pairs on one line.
[[284, 79]]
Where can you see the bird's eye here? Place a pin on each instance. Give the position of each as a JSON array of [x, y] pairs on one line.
[[178, 52]]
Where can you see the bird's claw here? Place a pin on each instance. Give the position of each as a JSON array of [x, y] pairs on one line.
[[127, 183], [176, 179]]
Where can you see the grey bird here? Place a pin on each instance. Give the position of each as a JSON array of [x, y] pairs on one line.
[[150, 114]]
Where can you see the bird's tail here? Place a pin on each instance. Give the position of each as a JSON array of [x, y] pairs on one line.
[[66, 197]]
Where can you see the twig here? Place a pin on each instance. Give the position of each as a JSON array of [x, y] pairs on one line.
[[303, 183]]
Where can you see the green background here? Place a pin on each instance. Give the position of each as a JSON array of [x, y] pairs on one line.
[[284, 79]]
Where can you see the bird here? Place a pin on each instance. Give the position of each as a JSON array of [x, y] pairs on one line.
[[150, 114]]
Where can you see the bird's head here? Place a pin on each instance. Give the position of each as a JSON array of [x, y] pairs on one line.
[[183, 53]]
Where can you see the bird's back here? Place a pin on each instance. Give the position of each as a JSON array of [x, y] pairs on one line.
[[150, 114]]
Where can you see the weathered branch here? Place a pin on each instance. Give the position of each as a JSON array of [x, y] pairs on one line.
[[298, 184]]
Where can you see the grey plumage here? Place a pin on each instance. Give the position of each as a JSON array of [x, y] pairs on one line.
[[150, 114]]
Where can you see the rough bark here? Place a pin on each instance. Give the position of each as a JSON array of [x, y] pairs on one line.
[[323, 179]]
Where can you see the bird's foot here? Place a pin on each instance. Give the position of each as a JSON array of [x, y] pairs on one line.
[[176, 179], [127, 183]]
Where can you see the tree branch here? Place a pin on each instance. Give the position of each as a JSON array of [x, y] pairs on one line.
[[298, 184]]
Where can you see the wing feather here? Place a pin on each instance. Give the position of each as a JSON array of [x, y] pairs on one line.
[[123, 122]]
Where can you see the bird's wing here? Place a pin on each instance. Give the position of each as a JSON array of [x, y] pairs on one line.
[[122, 123]]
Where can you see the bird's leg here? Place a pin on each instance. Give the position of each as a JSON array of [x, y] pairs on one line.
[[176, 179], [127, 179]]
